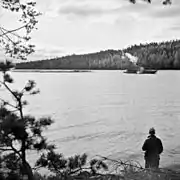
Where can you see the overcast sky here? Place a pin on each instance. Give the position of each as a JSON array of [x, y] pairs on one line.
[[82, 26]]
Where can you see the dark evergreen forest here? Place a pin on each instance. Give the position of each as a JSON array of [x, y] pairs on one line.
[[163, 55]]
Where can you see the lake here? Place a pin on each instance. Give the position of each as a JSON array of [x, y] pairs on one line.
[[108, 113]]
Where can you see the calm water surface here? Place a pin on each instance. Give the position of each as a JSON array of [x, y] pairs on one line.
[[108, 112]]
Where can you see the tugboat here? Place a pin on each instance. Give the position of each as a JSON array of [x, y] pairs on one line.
[[141, 70], [130, 71], [135, 68], [146, 71]]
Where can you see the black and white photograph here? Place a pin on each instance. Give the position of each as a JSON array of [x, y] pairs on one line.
[[89, 89]]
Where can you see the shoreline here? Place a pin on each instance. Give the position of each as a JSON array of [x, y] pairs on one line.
[[49, 71]]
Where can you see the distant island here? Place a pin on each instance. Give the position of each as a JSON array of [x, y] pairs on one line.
[[163, 55], [50, 70]]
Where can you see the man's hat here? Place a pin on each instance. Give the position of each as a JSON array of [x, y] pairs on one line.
[[152, 131]]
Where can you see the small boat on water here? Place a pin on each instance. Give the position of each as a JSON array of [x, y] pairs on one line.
[[141, 70], [147, 71], [135, 68], [130, 71]]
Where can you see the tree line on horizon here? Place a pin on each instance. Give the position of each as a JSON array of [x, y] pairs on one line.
[[163, 55]]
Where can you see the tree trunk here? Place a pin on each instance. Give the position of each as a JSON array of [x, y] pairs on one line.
[[28, 170], [26, 167]]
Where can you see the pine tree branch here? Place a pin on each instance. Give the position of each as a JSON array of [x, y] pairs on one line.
[[6, 149], [13, 30], [14, 34], [7, 87], [79, 169], [6, 36], [5, 102], [12, 147], [15, 150]]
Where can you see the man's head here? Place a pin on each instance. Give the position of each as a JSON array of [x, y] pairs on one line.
[[152, 131]]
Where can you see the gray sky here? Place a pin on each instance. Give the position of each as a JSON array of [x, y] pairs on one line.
[[82, 26]]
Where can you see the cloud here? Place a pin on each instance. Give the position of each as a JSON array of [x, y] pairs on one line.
[[49, 51], [172, 11], [1, 12], [140, 10], [71, 7], [154, 10], [100, 8], [45, 52], [90, 8], [105, 12], [175, 28], [139, 7], [82, 11]]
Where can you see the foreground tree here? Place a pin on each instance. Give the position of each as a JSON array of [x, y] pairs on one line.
[[70, 167], [19, 133]]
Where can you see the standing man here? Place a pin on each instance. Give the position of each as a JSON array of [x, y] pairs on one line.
[[153, 148]]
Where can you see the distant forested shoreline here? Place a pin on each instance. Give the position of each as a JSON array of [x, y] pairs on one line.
[[163, 55]]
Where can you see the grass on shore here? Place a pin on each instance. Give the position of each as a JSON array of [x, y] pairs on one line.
[[118, 170]]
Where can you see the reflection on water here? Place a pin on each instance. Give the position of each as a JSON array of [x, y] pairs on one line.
[[108, 112]]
